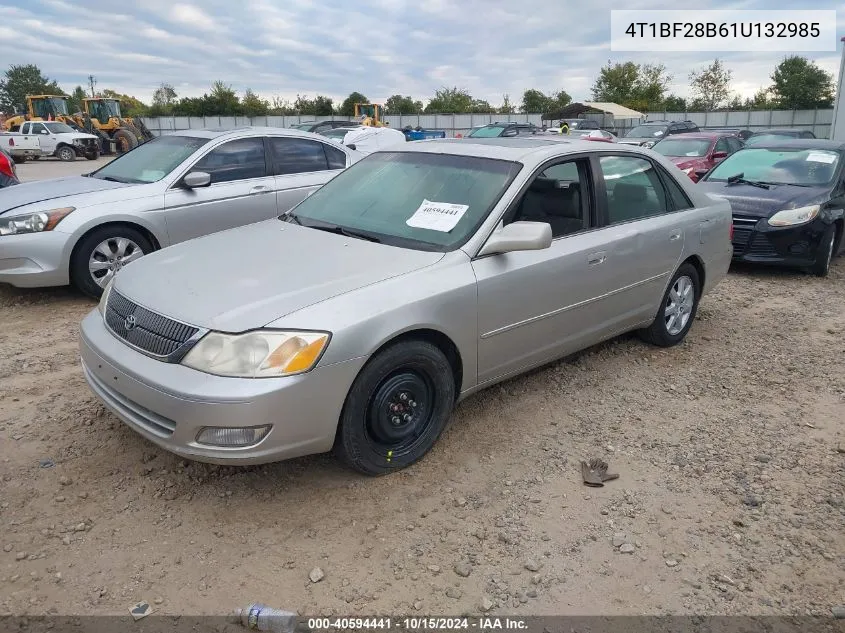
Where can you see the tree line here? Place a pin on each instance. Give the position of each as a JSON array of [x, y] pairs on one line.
[[796, 83]]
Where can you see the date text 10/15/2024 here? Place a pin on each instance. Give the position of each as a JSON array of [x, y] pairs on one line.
[[417, 624]]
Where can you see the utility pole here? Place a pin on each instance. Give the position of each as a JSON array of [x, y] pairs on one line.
[[92, 82]]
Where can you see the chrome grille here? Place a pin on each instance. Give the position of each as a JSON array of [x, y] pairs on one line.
[[152, 333], [743, 230]]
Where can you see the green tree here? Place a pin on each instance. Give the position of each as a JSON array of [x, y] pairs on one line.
[[347, 108], [397, 104], [450, 101], [74, 104], [761, 100], [799, 84], [711, 86], [164, 98], [253, 105], [638, 86], [222, 100], [506, 107], [318, 106], [674, 103], [480, 106], [20, 81], [534, 101], [281, 107], [129, 106]]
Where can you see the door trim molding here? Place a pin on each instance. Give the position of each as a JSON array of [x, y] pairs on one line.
[[540, 317]]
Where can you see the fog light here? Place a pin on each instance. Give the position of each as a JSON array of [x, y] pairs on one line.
[[232, 437]]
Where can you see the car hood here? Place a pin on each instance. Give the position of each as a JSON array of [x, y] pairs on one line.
[[757, 202], [638, 140], [685, 162], [44, 190], [247, 277]]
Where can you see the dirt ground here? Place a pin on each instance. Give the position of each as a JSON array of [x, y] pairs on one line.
[[730, 500], [49, 167]]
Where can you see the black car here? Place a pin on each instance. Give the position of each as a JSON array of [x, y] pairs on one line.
[[788, 200], [322, 126], [8, 172], [736, 131], [647, 134], [777, 134], [507, 128]]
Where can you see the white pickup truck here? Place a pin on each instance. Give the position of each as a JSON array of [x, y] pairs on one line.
[[20, 146], [60, 140]]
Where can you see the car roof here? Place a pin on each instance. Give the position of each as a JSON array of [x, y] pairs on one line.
[[242, 131], [538, 148], [800, 143], [702, 135], [774, 130]]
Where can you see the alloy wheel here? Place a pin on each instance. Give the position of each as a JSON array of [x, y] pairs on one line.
[[110, 256]]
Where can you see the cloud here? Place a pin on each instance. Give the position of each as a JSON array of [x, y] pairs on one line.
[[334, 47]]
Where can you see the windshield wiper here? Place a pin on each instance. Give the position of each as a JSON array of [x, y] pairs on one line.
[[113, 179], [341, 230], [739, 179]]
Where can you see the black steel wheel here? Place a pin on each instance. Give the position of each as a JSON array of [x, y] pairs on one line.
[[396, 409]]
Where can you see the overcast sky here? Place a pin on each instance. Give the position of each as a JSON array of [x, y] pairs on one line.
[[378, 47]]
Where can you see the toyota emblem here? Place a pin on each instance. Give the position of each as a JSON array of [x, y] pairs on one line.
[[130, 322]]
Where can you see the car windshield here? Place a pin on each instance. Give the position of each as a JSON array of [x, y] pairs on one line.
[[337, 133], [151, 161], [58, 128], [769, 136], [803, 167], [488, 131], [416, 200], [643, 131], [691, 147]]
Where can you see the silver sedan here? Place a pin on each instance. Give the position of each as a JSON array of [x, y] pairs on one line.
[[413, 279], [176, 187]]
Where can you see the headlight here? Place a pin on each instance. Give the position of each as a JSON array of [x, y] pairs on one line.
[[791, 217], [104, 298], [33, 222], [649, 144], [259, 354]]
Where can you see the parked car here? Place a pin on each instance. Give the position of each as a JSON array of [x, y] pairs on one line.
[[777, 134], [366, 139], [318, 127], [593, 135], [697, 153], [173, 188], [413, 279], [62, 141], [742, 133], [579, 124], [8, 173], [648, 134], [507, 128], [20, 146], [788, 198]]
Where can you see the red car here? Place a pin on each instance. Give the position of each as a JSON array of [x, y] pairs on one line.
[[8, 173], [696, 153]]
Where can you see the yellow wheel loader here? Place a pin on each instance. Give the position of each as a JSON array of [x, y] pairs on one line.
[[102, 116], [41, 108], [369, 114]]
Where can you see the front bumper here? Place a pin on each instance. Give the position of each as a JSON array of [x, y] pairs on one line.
[[755, 241], [33, 260], [169, 404]]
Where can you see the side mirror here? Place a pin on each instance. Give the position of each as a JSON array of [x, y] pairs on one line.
[[43, 132], [352, 146], [719, 155], [518, 236], [197, 179]]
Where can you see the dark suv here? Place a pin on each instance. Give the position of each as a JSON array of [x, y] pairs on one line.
[[506, 128], [649, 133]]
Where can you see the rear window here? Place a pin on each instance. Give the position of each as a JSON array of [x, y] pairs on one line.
[[647, 131]]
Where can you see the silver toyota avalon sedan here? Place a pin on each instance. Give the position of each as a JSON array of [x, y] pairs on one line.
[[411, 280], [176, 187]]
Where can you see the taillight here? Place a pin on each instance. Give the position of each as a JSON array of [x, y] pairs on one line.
[[7, 167], [731, 232], [11, 142]]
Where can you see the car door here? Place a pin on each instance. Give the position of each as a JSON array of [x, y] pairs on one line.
[[537, 305], [46, 139], [301, 166], [722, 145], [646, 218], [242, 191]]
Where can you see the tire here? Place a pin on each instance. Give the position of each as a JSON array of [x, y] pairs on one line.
[[825, 253], [93, 155], [35, 157], [125, 140], [19, 159], [409, 379], [111, 239], [663, 332], [65, 153]]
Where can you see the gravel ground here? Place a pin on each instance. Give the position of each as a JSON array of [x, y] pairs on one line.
[[729, 501], [49, 167]]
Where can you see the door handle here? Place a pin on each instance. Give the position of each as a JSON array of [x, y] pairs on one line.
[[674, 237], [594, 259], [260, 189]]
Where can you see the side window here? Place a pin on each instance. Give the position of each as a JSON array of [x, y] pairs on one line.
[[39, 128], [236, 160], [678, 198], [722, 146], [633, 189], [335, 157], [676, 128], [558, 197], [25, 128], [734, 144], [297, 155]]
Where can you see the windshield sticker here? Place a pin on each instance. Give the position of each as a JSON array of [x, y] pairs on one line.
[[821, 157], [437, 216]]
